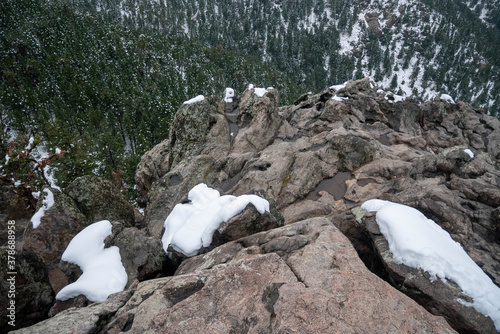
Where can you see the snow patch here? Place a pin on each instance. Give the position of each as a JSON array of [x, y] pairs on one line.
[[260, 92], [469, 152], [338, 87], [191, 226], [393, 98], [103, 271], [47, 203], [229, 95], [447, 98], [196, 99], [49, 175], [418, 242]]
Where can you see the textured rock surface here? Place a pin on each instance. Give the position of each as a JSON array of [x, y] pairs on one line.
[[303, 277], [316, 161], [33, 292], [97, 200], [323, 157]]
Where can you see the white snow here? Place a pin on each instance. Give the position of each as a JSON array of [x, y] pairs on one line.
[[47, 203], [447, 98], [349, 41], [260, 91], [393, 98], [469, 152], [49, 174], [58, 150], [30, 143], [196, 99], [192, 225], [339, 98], [419, 242], [229, 95], [338, 87], [103, 271]]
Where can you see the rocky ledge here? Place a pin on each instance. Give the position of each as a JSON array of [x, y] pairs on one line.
[[317, 263]]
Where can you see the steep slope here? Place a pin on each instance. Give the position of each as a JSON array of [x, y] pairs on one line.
[[419, 47]]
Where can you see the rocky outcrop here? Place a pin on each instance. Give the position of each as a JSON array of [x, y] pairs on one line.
[[324, 157], [305, 276], [329, 267], [85, 201]]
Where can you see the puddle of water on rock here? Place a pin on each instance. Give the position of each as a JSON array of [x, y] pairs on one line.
[[364, 182], [384, 140], [335, 186], [226, 185], [174, 180]]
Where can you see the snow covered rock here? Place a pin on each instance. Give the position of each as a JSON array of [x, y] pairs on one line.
[[47, 203], [191, 226], [229, 95], [103, 272], [416, 251], [195, 99]]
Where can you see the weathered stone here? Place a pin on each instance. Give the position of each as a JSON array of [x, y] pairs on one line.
[[97, 200], [85, 320], [318, 158], [246, 223], [301, 277], [373, 24], [258, 121], [143, 257], [190, 127], [29, 288], [57, 227], [153, 165]]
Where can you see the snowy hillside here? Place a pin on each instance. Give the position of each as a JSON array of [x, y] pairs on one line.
[[419, 47]]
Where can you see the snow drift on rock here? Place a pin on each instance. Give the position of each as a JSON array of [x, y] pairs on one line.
[[103, 271], [196, 99], [191, 226], [419, 242], [47, 203]]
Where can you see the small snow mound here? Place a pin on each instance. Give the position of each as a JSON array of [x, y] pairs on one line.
[[229, 95], [446, 98], [47, 203], [469, 152], [191, 226], [103, 271], [196, 99], [418, 242], [338, 87], [260, 92], [339, 98]]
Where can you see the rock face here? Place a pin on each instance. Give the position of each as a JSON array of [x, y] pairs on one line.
[[305, 276], [316, 161]]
